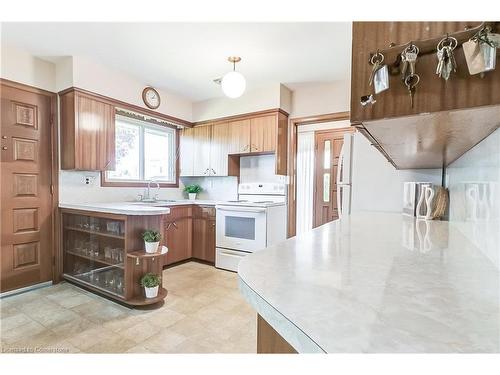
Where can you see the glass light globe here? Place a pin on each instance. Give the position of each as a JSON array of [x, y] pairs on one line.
[[233, 84]]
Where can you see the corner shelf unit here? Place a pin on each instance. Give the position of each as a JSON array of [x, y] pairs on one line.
[[99, 252]]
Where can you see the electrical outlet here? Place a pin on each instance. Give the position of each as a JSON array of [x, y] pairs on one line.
[[89, 180]]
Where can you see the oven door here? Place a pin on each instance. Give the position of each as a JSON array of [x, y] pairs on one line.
[[241, 228]]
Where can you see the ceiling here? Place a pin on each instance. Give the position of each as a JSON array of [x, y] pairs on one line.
[[185, 58]]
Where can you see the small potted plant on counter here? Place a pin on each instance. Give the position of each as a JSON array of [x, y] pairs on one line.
[[151, 282], [192, 190], [151, 240]]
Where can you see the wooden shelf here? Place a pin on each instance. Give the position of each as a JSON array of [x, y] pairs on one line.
[[141, 300], [104, 234], [98, 260], [143, 254]]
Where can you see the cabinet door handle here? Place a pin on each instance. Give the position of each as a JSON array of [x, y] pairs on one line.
[[213, 171], [206, 171], [168, 226], [175, 225], [4, 148]]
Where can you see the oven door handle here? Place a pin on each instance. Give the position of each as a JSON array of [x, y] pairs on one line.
[[241, 209]]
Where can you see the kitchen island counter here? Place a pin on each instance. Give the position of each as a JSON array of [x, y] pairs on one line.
[[376, 282]]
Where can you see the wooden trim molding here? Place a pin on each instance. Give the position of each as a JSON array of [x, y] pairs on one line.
[[243, 116], [131, 107], [292, 160]]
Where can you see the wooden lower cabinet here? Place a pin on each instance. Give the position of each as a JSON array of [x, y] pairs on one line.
[[105, 253], [189, 232], [269, 341], [204, 234], [177, 233]]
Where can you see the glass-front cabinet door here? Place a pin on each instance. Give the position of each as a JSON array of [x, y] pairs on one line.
[[94, 251]]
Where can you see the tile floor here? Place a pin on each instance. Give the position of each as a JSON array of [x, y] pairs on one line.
[[203, 313]]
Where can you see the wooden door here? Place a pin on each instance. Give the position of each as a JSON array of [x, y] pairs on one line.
[[186, 152], [219, 149], [240, 137], [201, 150], [26, 197], [263, 134], [327, 150]]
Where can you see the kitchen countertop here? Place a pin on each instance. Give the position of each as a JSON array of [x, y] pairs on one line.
[[135, 208], [376, 282]]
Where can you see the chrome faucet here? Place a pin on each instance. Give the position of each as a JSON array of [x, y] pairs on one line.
[[148, 196]]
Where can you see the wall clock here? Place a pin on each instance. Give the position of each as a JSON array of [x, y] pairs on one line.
[[151, 97]]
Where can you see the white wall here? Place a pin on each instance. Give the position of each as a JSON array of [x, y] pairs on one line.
[[474, 184], [92, 76], [251, 101], [20, 66], [309, 99], [376, 184]]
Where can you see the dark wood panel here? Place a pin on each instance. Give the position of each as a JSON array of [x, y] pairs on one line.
[[204, 233], [269, 341], [433, 94]]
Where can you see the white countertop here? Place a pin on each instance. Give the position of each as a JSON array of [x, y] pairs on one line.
[[377, 282], [135, 208]]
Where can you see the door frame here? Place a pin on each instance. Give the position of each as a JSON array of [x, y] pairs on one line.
[[54, 175], [293, 125]]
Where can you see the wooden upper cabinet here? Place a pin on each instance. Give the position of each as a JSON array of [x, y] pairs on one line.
[[433, 94], [240, 136], [263, 134], [195, 149], [87, 132], [219, 149], [186, 147], [201, 150], [213, 149]]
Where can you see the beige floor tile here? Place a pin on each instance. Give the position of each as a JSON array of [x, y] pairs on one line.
[[74, 301], [14, 321], [73, 328], [163, 341], [28, 329], [165, 318], [140, 332], [203, 313], [92, 337]]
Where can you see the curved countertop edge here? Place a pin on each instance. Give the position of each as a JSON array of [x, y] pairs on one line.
[[289, 331], [133, 208], [117, 210]]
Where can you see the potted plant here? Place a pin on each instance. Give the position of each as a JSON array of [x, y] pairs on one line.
[[192, 190], [151, 240], [151, 282]]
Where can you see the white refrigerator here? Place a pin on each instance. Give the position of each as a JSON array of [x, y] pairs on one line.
[[366, 181]]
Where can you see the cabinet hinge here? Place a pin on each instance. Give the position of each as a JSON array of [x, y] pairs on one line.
[[51, 189], [54, 260]]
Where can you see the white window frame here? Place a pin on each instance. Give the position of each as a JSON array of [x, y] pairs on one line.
[[144, 125]]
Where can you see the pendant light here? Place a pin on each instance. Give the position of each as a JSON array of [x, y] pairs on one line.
[[233, 83]]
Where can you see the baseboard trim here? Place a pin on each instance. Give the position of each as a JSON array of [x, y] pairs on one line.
[[25, 289]]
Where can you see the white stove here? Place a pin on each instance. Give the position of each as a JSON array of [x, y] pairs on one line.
[[251, 223]]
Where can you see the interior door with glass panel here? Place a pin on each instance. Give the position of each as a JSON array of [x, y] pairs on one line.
[[241, 228], [328, 145]]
